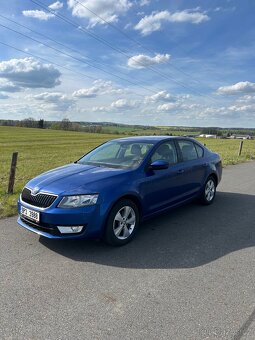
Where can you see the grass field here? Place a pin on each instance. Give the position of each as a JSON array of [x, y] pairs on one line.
[[40, 150], [158, 130]]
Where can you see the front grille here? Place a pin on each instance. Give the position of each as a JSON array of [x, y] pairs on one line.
[[39, 200]]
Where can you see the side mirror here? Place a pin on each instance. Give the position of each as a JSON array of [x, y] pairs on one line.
[[159, 164]]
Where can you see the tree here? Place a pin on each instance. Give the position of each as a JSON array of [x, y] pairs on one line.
[[28, 122], [41, 124], [65, 124]]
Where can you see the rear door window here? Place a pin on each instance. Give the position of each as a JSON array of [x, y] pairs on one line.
[[188, 150], [200, 150]]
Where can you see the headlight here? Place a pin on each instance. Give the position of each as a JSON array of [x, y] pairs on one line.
[[78, 201]]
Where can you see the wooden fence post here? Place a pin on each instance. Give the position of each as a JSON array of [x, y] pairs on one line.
[[12, 172], [240, 148]]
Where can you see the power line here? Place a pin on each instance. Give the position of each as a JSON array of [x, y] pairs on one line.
[[79, 60], [41, 34], [56, 64], [105, 42], [137, 42], [47, 60], [134, 40], [57, 42], [75, 25]]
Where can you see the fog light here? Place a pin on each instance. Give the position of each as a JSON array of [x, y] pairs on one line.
[[76, 229], [70, 230]]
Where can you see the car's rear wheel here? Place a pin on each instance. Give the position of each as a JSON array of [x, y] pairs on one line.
[[209, 191], [122, 223]]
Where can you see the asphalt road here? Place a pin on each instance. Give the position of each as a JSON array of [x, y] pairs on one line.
[[189, 274]]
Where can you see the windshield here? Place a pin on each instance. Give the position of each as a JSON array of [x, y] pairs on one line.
[[118, 154]]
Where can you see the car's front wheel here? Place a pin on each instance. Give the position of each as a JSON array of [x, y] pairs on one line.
[[209, 191], [122, 223]]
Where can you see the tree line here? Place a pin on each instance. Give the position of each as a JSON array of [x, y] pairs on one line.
[[64, 124], [93, 127]]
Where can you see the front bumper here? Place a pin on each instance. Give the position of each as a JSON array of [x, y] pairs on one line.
[[38, 230], [50, 218]]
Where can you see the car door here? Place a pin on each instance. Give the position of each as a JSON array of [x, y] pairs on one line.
[[194, 166], [162, 188]]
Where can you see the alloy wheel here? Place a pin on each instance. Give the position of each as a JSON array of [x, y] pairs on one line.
[[209, 190], [124, 222]]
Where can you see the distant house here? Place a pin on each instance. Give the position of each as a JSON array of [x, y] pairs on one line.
[[207, 136], [241, 137]]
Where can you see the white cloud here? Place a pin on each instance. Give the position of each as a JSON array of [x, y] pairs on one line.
[[56, 5], [241, 87], [42, 15], [38, 14], [241, 108], [99, 87], [247, 99], [50, 97], [86, 93], [142, 61], [151, 23], [226, 9], [7, 86], [101, 109], [144, 3], [154, 21], [160, 96], [109, 10], [124, 104], [3, 96], [188, 16], [182, 105], [168, 107], [29, 73], [58, 100]]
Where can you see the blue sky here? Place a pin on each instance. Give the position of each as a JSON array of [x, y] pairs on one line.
[[138, 62]]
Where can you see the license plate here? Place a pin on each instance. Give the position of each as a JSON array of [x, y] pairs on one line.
[[31, 214]]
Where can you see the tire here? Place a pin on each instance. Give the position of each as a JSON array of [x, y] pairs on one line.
[[209, 191], [122, 223]]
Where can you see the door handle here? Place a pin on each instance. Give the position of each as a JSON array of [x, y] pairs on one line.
[[181, 171], [205, 164]]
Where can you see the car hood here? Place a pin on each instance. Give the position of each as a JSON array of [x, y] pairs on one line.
[[73, 179]]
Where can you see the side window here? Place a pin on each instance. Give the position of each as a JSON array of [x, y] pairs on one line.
[[200, 151], [188, 150], [165, 151]]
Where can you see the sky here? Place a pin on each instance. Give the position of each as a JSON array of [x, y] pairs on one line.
[[149, 62]]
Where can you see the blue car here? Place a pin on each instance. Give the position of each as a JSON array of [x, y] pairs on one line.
[[111, 189]]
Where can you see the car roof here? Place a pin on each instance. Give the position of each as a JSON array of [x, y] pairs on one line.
[[151, 139]]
